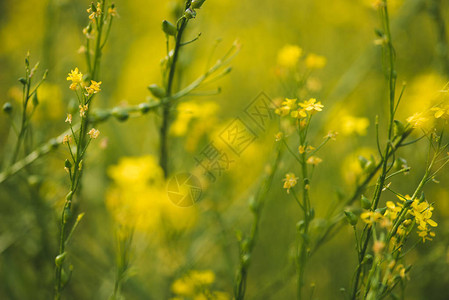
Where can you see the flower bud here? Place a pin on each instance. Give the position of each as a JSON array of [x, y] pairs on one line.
[[157, 91], [197, 3], [67, 164], [144, 107], [365, 202], [189, 13], [351, 217], [35, 100], [398, 128], [253, 205], [22, 80], [120, 114], [169, 28], [60, 259], [7, 108]]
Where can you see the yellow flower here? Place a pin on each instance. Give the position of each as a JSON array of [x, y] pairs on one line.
[[278, 136], [112, 11], [94, 11], [69, 119], [93, 88], [93, 133], [194, 283], [289, 55], [290, 181], [312, 105], [302, 149], [299, 113], [83, 110], [441, 112], [378, 246], [66, 139], [76, 77], [351, 125], [370, 217], [286, 106], [417, 120], [332, 135], [314, 61], [313, 160]]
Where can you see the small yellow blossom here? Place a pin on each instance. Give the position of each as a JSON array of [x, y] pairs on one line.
[[417, 120], [289, 55], [313, 160], [370, 217], [95, 12], [299, 113], [314, 61], [286, 106], [93, 88], [441, 112], [278, 136], [290, 181], [93, 133], [66, 139], [312, 105], [112, 11], [378, 246], [69, 119], [302, 149], [76, 77], [83, 110], [332, 135]]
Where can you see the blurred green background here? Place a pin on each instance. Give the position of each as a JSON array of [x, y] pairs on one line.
[[352, 86]]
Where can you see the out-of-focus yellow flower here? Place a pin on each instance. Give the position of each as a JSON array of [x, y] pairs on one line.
[[69, 119], [138, 198], [441, 112], [83, 110], [289, 55], [313, 160], [312, 105], [76, 77], [417, 120], [314, 61], [290, 181], [194, 284], [354, 125], [370, 217], [286, 106], [93, 133]]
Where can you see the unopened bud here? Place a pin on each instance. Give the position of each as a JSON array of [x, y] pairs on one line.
[[365, 202], [120, 114], [157, 91], [169, 28], [189, 13], [7, 108], [197, 3], [351, 217]]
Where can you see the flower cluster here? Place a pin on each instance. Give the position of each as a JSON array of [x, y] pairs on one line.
[[290, 181], [299, 110]]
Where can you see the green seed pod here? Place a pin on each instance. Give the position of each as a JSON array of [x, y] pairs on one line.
[[365, 202], [398, 128], [169, 28], [7, 108], [351, 217], [157, 91], [69, 196], [22, 80], [67, 214], [120, 114], [189, 14], [197, 3], [144, 107], [35, 100], [60, 259]]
